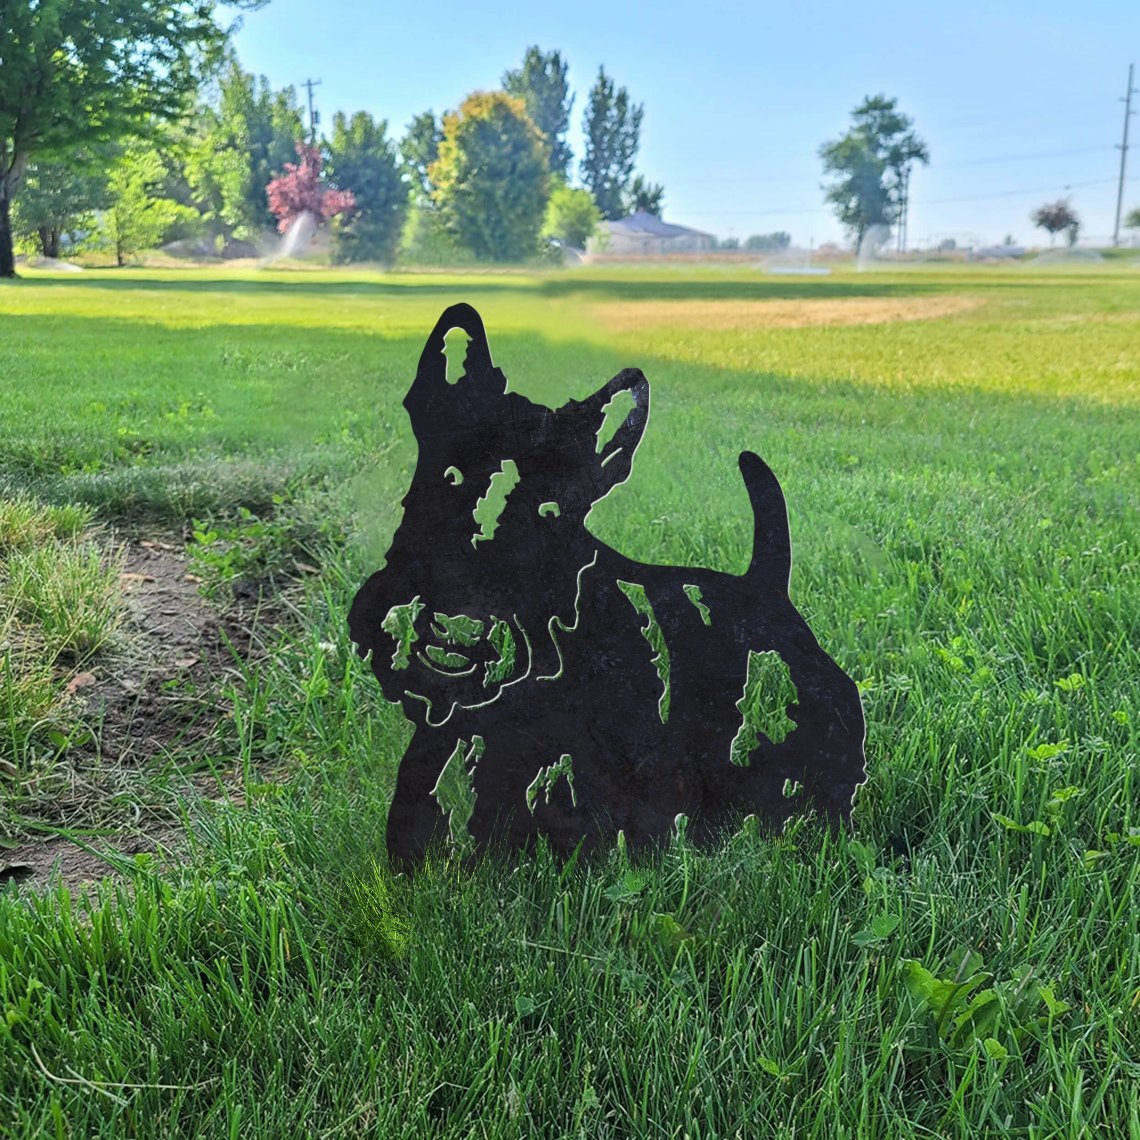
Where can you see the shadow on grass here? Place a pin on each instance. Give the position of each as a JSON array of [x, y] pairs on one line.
[[716, 289], [305, 283], [621, 286], [193, 420]]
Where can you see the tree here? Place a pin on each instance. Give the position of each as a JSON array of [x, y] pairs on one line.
[[647, 196], [75, 73], [781, 239], [613, 134], [572, 216], [419, 148], [541, 84], [58, 197], [1133, 219], [870, 164], [299, 190], [240, 144], [137, 215], [490, 180], [362, 158], [1055, 217]]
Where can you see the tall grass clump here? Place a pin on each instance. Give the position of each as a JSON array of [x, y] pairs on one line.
[[25, 524], [61, 603], [70, 594]]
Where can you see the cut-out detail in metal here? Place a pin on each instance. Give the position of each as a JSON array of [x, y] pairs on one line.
[[768, 693], [515, 640], [693, 593], [548, 777], [651, 631]]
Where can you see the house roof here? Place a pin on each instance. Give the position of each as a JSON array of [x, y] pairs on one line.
[[642, 222]]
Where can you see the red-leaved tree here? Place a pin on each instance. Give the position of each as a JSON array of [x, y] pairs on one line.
[[300, 191]]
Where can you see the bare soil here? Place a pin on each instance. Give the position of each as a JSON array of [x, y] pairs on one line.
[[156, 700]]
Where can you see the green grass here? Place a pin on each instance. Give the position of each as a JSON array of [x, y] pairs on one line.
[[60, 603], [967, 537]]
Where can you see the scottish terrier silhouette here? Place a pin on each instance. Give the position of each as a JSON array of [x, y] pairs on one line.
[[558, 688]]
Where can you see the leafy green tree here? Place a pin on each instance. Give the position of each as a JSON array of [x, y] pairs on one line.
[[613, 134], [74, 73], [490, 180], [572, 216], [58, 198], [647, 196], [419, 148], [426, 241], [541, 84], [363, 160], [781, 239], [241, 144], [1055, 217], [868, 165], [137, 216], [1133, 219]]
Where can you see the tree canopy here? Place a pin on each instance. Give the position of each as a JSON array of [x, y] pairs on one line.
[[300, 190], [780, 239], [419, 148], [613, 134], [241, 142], [646, 195], [541, 84], [131, 123], [572, 216], [1055, 217], [58, 197], [79, 72], [362, 159], [490, 181], [138, 213], [868, 165]]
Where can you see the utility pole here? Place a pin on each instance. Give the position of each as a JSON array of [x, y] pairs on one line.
[[1123, 148], [904, 207], [314, 116]]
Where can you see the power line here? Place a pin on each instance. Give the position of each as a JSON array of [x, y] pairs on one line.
[[1128, 112], [922, 202], [990, 160], [1024, 157], [1014, 193]]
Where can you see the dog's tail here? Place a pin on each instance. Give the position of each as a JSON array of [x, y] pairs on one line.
[[771, 565]]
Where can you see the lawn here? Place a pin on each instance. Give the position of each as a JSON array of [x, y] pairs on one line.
[[958, 446]]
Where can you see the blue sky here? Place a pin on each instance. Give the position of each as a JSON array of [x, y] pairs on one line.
[[1019, 102]]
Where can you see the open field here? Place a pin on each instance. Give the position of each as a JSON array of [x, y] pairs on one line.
[[959, 451]]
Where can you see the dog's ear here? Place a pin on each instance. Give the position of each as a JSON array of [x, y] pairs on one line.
[[431, 384], [612, 449]]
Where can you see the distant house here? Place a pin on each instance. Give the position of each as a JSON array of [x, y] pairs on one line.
[[643, 234]]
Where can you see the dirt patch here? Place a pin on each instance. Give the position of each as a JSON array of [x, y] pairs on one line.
[[149, 700], [737, 316], [156, 700], [34, 866]]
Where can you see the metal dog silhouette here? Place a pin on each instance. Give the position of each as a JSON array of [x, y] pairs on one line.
[[558, 688]]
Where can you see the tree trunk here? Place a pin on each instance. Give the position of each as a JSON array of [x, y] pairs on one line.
[[7, 254], [49, 241]]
